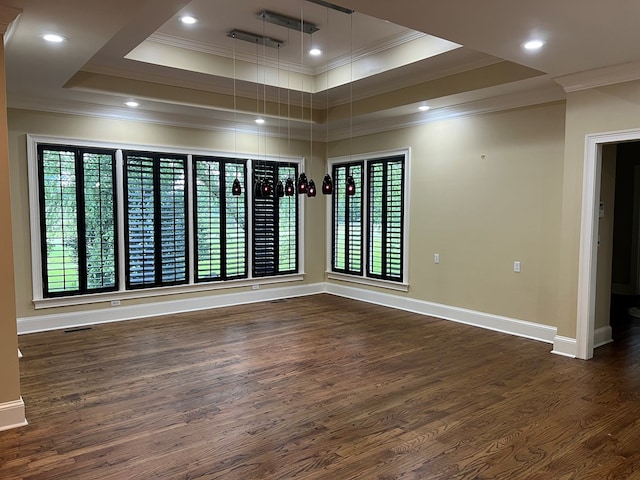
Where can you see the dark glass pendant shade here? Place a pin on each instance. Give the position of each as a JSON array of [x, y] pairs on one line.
[[302, 183], [351, 185], [279, 189], [289, 188], [236, 188], [257, 189], [266, 188], [327, 185], [311, 189]]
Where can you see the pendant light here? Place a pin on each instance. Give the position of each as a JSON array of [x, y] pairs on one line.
[[303, 184], [351, 186], [236, 188], [327, 185], [289, 188], [279, 189], [311, 189], [266, 188], [257, 188]]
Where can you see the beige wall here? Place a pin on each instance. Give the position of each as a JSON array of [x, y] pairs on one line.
[[598, 110], [9, 371], [80, 127], [482, 214], [522, 201]]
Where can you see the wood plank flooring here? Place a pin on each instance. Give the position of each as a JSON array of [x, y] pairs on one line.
[[319, 387]]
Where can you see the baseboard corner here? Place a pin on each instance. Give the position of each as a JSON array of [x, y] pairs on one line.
[[12, 415], [565, 346]]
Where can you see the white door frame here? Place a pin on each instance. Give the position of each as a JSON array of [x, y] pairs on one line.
[[589, 236]]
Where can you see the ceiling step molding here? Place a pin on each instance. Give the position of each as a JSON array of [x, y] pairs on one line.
[[600, 77]]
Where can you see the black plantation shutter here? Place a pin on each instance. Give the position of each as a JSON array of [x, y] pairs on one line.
[[264, 222], [235, 223], [156, 227], [385, 179], [77, 217], [347, 220], [220, 219], [275, 222]]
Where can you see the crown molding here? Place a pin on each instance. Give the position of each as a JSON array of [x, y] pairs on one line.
[[294, 130], [7, 17], [600, 77], [478, 107]]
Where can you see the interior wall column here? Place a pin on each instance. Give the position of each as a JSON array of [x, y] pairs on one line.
[[11, 405]]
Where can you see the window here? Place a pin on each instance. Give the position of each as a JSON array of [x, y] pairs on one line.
[[109, 219], [220, 219], [77, 226], [386, 210], [377, 233], [275, 221], [347, 219], [156, 219]]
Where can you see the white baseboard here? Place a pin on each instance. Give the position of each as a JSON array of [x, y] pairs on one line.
[[565, 346], [12, 415], [602, 336], [520, 328], [58, 321], [544, 333]]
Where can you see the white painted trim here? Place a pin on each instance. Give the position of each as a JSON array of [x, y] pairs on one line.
[[115, 314], [564, 346], [20, 354], [372, 282], [589, 236], [600, 77], [602, 336], [512, 326], [163, 291], [12, 415], [363, 279], [34, 212]]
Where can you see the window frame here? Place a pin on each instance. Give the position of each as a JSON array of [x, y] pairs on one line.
[[274, 177], [156, 159], [40, 301], [223, 162], [81, 225], [365, 278]]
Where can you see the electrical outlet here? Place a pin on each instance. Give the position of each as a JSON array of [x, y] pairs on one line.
[[516, 267], [436, 258], [115, 303], [255, 287]]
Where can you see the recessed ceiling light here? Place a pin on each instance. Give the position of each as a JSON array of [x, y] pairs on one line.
[[132, 104], [533, 45], [53, 38], [188, 20], [424, 108], [259, 121], [315, 52]]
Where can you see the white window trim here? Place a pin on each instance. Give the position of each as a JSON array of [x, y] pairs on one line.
[[40, 301], [363, 279]]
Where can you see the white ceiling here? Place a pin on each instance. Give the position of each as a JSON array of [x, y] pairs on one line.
[[459, 56]]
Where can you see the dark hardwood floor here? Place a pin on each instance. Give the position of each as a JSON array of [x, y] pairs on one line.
[[319, 387]]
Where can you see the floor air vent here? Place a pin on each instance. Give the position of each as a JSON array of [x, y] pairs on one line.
[[77, 329]]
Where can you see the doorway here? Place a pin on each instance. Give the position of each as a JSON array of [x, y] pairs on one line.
[[598, 146], [625, 255]]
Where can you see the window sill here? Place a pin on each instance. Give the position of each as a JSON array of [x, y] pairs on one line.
[[372, 282], [161, 291]]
